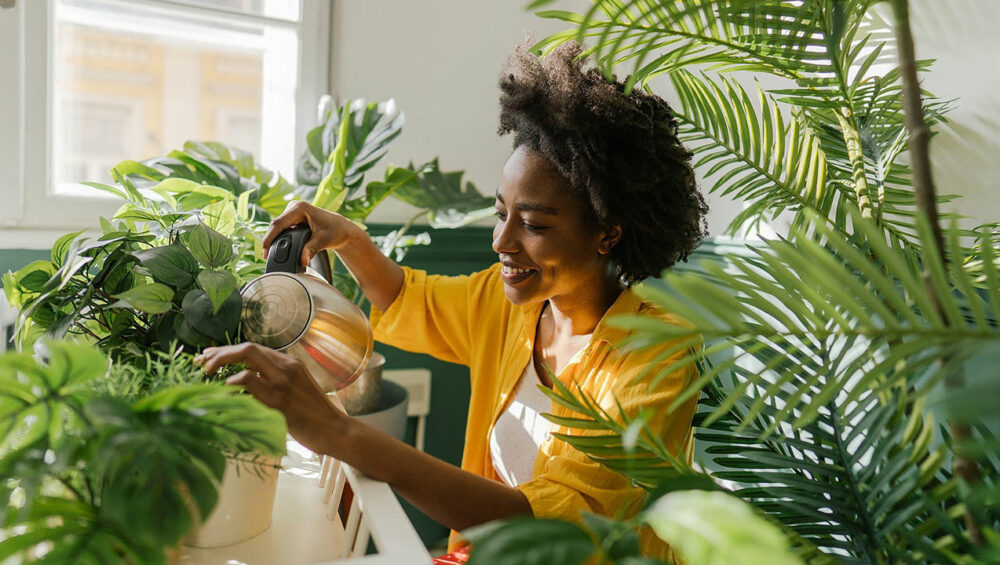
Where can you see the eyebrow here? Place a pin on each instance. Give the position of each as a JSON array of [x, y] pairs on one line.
[[531, 207]]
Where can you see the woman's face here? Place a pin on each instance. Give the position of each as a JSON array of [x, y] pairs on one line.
[[544, 240]]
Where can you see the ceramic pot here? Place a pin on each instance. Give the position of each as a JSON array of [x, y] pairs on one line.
[[246, 501]]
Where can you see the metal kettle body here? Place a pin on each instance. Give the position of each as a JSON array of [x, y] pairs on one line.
[[293, 311]]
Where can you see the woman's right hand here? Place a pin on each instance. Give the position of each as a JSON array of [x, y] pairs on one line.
[[329, 229]]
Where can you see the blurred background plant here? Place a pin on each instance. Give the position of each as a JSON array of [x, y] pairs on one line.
[[833, 394]]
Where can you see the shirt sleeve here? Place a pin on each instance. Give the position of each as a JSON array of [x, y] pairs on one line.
[[432, 314]]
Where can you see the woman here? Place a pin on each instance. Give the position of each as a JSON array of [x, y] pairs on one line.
[[597, 194]]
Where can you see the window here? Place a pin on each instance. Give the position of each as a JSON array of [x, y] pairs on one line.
[[88, 83]]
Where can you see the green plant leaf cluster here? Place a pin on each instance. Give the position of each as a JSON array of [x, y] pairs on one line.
[[129, 289], [828, 143], [351, 140], [82, 458]]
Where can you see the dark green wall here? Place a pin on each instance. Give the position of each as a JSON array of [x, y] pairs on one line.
[[14, 259]]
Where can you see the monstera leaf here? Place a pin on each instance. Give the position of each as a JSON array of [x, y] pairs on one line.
[[362, 142], [449, 203]]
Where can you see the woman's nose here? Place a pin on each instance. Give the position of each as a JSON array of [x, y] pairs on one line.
[[503, 240]]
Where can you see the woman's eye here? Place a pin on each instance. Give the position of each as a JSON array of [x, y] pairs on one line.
[[500, 215], [534, 227]]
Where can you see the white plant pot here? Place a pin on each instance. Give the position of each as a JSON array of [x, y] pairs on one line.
[[246, 500]]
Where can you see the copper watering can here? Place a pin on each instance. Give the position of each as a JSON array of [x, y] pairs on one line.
[[299, 313]]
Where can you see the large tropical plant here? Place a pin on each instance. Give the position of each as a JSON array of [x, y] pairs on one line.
[[104, 465], [825, 350]]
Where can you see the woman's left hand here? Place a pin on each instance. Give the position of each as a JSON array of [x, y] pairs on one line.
[[282, 382]]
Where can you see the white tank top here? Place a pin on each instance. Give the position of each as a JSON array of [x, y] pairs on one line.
[[520, 430]]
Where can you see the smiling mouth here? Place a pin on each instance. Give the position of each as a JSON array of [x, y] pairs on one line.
[[512, 275]]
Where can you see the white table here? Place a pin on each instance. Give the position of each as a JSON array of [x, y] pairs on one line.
[[307, 530]]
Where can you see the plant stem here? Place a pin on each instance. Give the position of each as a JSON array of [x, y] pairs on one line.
[[854, 152], [963, 467]]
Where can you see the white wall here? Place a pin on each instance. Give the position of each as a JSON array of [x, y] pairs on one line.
[[441, 59], [964, 38]]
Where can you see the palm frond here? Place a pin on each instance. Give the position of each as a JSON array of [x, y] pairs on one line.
[[804, 41], [759, 156], [850, 481], [829, 312], [625, 444]]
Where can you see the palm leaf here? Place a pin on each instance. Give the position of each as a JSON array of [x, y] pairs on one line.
[[849, 482], [625, 445], [772, 163], [803, 41], [827, 313]]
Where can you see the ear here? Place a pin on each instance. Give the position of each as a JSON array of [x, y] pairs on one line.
[[612, 235]]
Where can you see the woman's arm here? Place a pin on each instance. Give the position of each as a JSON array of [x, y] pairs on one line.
[[455, 498], [380, 277]]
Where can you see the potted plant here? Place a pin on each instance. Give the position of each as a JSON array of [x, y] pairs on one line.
[[830, 353], [113, 463]]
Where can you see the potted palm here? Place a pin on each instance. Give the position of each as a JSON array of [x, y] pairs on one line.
[[830, 354]]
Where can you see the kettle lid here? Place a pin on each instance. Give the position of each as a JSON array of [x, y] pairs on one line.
[[277, 310]]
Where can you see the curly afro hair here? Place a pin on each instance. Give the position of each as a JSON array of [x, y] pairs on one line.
[[620, 152]]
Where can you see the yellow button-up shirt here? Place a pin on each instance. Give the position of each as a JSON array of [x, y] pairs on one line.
[[468, 320]]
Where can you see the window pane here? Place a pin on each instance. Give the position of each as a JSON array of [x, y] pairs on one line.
[[133, 82], [284, 9]]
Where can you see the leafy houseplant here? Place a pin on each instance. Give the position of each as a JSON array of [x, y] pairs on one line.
[[169, 265], [88, 450], [831, 354], [351, 140]]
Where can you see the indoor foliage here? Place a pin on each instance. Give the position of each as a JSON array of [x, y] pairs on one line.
[[89, 455], [833, 390]]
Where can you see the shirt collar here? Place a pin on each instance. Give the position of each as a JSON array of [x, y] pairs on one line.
[[628, 302]]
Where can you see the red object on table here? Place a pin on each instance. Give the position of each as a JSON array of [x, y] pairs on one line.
[[457, 557]]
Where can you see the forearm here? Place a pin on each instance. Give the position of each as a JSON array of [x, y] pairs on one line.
[[455, 498], [379, 277]]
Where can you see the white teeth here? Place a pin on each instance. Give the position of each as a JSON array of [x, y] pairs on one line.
[[513, 270]]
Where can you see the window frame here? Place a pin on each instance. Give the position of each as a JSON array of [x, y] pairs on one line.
[[32, 214]]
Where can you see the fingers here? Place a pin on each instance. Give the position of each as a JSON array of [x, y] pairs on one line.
[[259, 358], [296, 213], [308, 251], [252, 382]]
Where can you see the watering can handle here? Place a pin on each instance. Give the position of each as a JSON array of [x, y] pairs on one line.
[[286, 249]]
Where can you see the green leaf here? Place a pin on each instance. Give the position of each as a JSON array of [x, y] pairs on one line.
[[175, 185], [448, 202], [332, 190], [171, 264], [210, 247], [715, 528], [219, 285], [220, 216], [618, 539], [153, 298], [28, 427], [61, 246], [362, 142], [530, 541], [221, 325]]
